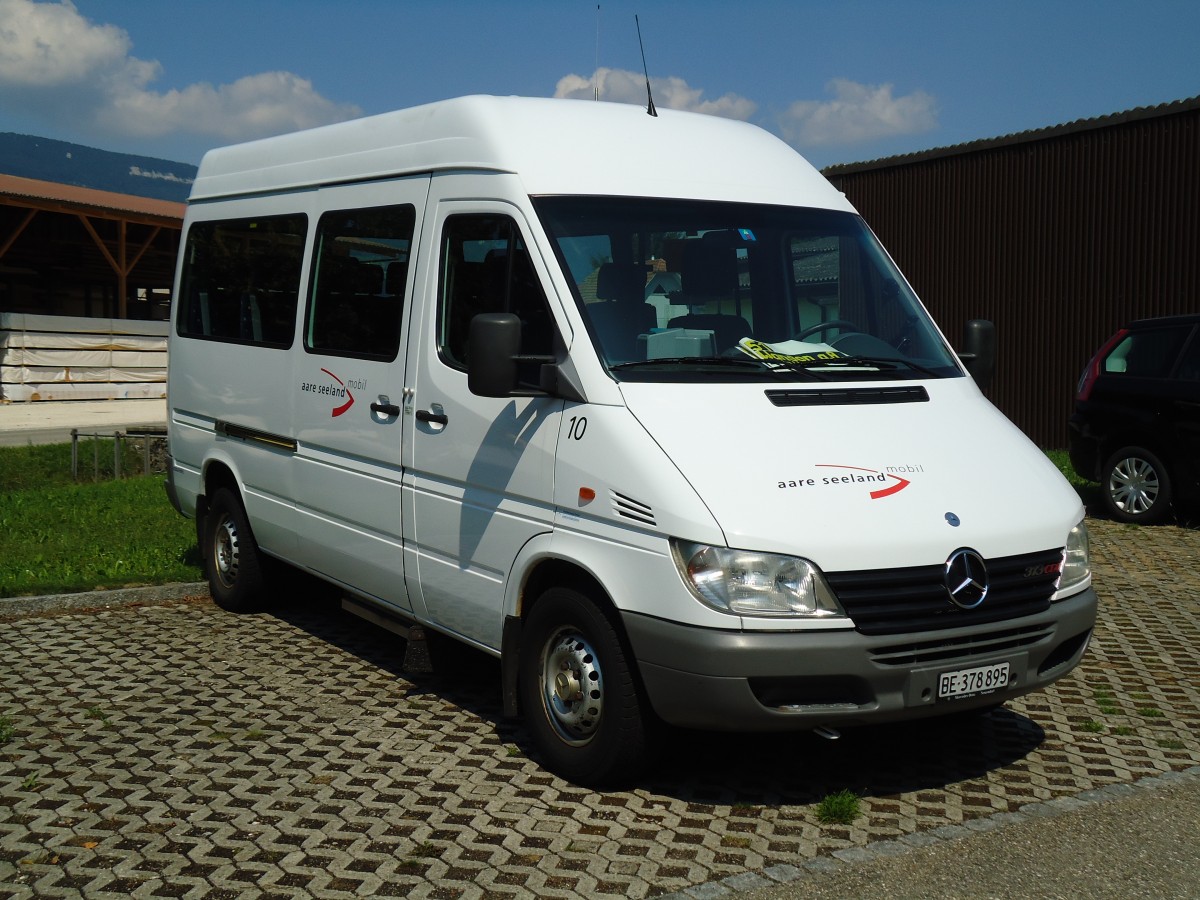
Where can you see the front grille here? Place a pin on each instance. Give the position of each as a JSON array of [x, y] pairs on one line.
[[988, 643], [915, 599]]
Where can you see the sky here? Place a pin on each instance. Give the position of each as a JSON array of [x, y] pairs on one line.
[[840, 81]]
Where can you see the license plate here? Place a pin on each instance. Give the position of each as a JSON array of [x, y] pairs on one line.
[[968, 682]]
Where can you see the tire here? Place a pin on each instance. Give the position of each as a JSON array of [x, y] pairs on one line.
[[578, 692], [1136, 486], [232, 560]]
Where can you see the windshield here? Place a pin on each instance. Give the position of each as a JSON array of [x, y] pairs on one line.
[[695, 290]]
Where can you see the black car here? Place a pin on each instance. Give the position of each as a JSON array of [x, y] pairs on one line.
[[1136, 425]]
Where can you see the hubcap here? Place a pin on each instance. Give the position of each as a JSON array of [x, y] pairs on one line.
[[572, 686], [1133, 486], [225, 552]]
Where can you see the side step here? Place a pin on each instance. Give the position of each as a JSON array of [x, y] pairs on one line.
[[416, 651]]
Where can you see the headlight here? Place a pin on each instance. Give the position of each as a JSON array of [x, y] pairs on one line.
[[754, 584], [1076, 566]]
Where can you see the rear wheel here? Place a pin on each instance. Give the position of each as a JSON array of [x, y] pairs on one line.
[[578, 691], [232, 559], [1136, 486]]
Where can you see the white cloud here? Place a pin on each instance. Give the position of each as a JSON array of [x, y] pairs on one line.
[[857, 113], [56, 64], [257, 105], [623, 86]]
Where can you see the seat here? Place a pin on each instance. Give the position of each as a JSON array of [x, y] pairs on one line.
[[622, 312], [709, 278]]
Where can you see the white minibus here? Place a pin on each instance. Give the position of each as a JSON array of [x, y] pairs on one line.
[[635, 403]]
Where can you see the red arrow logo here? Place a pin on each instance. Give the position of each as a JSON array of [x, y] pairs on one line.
[[338, 410], [901, 484]]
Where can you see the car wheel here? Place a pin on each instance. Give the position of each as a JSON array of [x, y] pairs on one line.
[[232, 559], [578, 692], [1136, 486]]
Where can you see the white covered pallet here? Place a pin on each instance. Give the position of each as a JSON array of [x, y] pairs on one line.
[[81, 358]]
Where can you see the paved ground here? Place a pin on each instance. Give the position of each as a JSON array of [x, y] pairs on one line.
[[173, 749], [50, 422]]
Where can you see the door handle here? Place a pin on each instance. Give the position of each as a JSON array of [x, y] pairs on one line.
[[388, 409], [424, 415]]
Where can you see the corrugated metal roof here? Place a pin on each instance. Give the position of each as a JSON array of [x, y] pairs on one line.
[[1022, 137], [90, 201]]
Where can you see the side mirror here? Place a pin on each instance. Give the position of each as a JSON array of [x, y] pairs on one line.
[[979, 351], [493, 345]]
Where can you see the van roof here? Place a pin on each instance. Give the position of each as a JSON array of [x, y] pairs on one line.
[[554, 146]]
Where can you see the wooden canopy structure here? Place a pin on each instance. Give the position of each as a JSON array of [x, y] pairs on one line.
[[68, 250]]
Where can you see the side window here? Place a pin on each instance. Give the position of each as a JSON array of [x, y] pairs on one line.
[[356, 293], [1146, 354], [1189, 363], [486, 268], [241, 280]]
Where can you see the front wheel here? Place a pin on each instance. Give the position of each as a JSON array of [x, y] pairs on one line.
[[578, 692], [1136, 486], [232, 559]]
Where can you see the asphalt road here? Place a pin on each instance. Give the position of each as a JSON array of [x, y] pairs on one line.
[[1141, 842]]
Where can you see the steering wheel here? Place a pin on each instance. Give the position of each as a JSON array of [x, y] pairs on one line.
[[844, 324]]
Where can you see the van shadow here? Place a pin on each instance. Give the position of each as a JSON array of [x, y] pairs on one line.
[[799, 768], [774, 769]]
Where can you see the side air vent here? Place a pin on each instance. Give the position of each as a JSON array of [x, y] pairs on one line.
[[628, 508], [849, 396]]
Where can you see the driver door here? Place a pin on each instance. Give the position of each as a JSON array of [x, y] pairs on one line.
[[479, 475]]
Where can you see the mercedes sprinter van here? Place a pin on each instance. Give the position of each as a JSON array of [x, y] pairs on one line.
[[637, 404]]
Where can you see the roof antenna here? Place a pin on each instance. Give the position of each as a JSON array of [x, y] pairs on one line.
[[650, 110], [596, 71]]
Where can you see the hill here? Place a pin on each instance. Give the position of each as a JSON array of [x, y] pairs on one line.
[[27, 156]]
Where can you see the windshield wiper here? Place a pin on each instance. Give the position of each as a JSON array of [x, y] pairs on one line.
[[888, 363], [749, 365], [693, 361], [855, 363]]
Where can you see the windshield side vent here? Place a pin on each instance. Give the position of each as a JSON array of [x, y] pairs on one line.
[[628, 508], [849, 396]]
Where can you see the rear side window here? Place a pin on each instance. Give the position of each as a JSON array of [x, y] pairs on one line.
[[1189, 364], [241, 280], [485, 269], [1147, 354], [359, 271]]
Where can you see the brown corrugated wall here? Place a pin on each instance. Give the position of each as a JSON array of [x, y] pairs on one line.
[[1058, 238]]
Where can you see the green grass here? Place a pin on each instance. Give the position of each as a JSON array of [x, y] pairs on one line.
[[841, 808], [1089, 491], [58, 535], [29, 467]]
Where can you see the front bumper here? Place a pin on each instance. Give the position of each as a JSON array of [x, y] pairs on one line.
[[776, 681]]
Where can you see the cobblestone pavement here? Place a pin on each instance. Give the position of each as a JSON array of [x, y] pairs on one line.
[[175, 750]]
